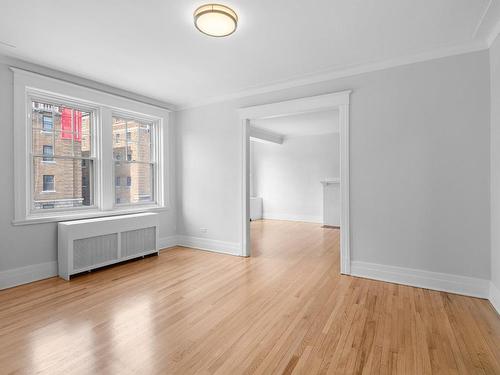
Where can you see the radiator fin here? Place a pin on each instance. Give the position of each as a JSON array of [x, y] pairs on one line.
[[138, 241], [92, 251]]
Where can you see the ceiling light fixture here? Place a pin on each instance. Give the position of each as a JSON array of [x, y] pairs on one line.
[[215, 20]]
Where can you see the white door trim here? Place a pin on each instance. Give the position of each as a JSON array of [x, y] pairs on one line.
[[339, 101]]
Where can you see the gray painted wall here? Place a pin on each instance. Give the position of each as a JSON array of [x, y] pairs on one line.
[[495, 162], [420, 165], [37, 243], [287, 176]]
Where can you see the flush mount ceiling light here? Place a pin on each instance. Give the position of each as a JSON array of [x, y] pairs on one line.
[[215, 20]]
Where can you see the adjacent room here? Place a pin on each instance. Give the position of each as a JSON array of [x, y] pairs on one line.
[[294, 172], [250, 187]]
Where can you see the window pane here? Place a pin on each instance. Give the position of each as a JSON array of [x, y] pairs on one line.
[[60, 146], [83, 139], [136, 183], [119, 139], [40, 140], [65, 183], [139, 152], [41, 116], [70, 129], [131, 140]]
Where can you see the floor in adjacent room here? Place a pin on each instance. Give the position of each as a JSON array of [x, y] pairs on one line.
[[284, 310]]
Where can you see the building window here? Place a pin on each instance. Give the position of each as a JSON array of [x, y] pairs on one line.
[[47, 123], [48, 152], [81, 139], [48, 183], [140, 165]]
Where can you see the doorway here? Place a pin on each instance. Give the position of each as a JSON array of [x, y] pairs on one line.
[[336, 102]]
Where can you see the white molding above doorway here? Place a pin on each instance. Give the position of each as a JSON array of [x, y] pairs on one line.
[[338, 101]]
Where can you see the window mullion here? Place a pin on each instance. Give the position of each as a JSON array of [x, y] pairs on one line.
[[106, 162]]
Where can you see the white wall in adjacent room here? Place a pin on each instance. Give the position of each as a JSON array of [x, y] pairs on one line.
[[287, 176]]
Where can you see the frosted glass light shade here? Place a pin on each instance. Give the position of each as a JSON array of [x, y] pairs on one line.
[[215, 20]]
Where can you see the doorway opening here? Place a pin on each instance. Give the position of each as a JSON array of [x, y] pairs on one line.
[[284, 124]]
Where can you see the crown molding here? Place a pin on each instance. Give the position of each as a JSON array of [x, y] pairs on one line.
[[488, 26], [494, 34], [333, 74], [27, 68], [481, 19]]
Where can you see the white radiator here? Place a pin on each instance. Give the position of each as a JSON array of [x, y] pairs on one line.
[[87, 244]]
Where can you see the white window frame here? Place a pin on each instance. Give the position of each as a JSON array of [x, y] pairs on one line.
[[28, 85]]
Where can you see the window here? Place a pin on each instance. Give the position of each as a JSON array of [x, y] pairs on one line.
[[47, 153], [47, 123], [139, 165], [48, 183], [68, 147], [84, 153]]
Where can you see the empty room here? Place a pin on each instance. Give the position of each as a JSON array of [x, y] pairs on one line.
[[250, 187], [294, 180]]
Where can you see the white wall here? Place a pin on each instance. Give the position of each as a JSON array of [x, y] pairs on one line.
[[419, 165], [36, 244], [495, 167], [208, 191], [288, 176]]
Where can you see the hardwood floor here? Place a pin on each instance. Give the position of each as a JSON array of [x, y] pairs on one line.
[[285, 310]]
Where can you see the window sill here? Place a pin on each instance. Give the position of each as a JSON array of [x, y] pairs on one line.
[[61, 216]]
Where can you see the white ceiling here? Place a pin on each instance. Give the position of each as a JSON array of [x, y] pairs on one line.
[[152, 48], [314, 123]]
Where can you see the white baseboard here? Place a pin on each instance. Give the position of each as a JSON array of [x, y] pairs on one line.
[[292, 217], [495, 297], [168, 242], [35, 272], [27, 274], [232, 248], [443, 282]]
